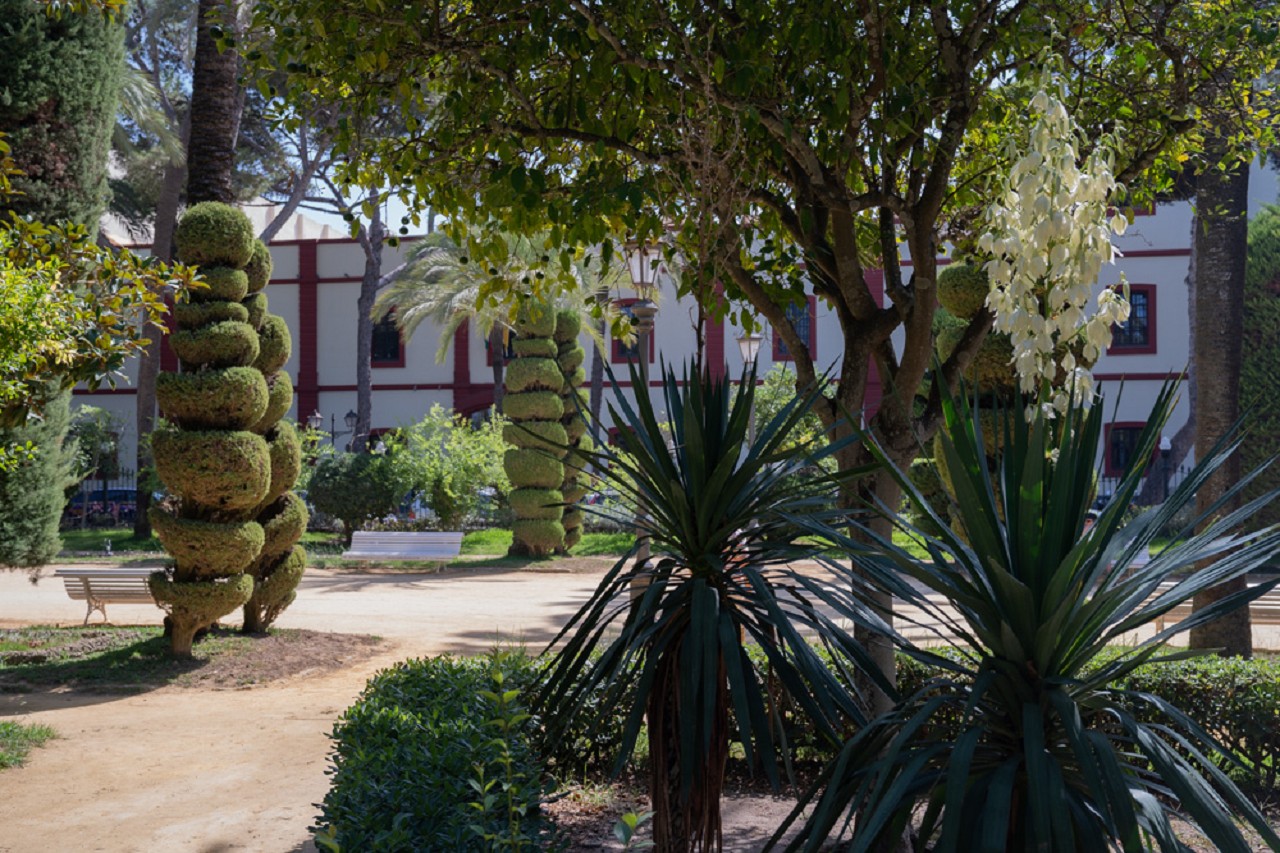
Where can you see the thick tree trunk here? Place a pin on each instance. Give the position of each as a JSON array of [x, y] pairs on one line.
[[371, 241], [149, 362], [1219, 246], [216, 104]]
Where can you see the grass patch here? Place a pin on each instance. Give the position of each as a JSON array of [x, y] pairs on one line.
[[18, 739], [492, 540], [121, 538], [106, 658], [603, 545]]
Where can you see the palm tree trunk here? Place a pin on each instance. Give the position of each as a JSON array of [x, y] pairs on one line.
[[1219, 247], [498, 360], [597, 372], [371, 241], [216, 103]]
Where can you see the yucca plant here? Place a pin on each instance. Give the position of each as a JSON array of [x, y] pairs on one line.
[[1021, 744], [666, 640]]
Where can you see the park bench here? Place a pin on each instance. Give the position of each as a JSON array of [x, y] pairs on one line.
[[436, 546], [1264, 610], [99, 587]]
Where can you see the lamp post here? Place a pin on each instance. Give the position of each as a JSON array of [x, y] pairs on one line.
[[315, 420], [1166, 448], [749, 348], [642, 263]]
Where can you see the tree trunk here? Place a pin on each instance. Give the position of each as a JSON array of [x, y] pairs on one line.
[[498, 360], [1219, 246], [215, 107], [596, 401], [149, 361], [371, 241]]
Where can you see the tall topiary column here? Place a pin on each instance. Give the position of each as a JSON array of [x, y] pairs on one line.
[[532, 402], [282, 514], [209, 456], [570, 355]]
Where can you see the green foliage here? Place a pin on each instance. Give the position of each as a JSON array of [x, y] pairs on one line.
[[200, 602], [533, 469], [61, 84], [192, 315], [509, 795], [279, 399], [222, 284], [276, 344], [256, 305], [354, 487], [283, 523], [533, 374], [568, 326], [537, 536], [1025, 736], [537, 503], [95, 434], [225, 344], [535, 320], [286, 459], [1259, 379], [274, 588], [534, 348], [259, 267], [447, 460], [202, 549], [32, 491], [533, 405], [405, 754], [216, 471], [234, 398], [543, 435], [962, 290], [214, 234], [17, 739]]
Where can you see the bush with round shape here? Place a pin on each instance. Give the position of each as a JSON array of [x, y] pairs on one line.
[[286, 459], [544, 435], [568, 326], [533, 405], [535, 322], [220, 471], [570, 358], [222, 284], [205, 549], [533, 374], [214, 234], [225, 344], [962, 290], [193, 315], [533, 468], [991, 369], [536, 537], [256, 305], [234, 398], [274, 590], [354, 487], [534, 348], [537, 503], [259, 267], [275, 344], [283, 522], [279, 399]]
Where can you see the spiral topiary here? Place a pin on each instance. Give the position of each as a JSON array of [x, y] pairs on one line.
[[569, 358], [532, 402], [258, 270], [219, 471]]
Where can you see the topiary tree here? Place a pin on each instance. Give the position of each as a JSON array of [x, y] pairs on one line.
[[570, 355], [532, 402], [1259, 381], [221, 471]]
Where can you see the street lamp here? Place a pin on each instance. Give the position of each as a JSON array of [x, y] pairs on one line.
[[749, 347], [1166, 448], [315, 420], [642, 263]]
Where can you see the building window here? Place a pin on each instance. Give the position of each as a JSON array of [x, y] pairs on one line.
[[1137, 335], [1122, 443], [623, 352], [386, 349], [804, 319]]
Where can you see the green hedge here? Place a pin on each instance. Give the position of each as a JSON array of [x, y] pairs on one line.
[[192, 315], [219, 470], [225, 344], [533, 374], [571, 357], [214, 234], [275, 344], [234, 398], [203, 549], [405, 753], [533, 405], [276, 586]]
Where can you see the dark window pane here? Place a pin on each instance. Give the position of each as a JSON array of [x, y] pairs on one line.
[[1121, 444], [801, 319], [1136, 331], [631, 350], [385, 345]]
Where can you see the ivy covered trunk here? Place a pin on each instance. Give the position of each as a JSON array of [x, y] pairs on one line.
[[282, 514], [570, 356], [533, 403], [208, 456]]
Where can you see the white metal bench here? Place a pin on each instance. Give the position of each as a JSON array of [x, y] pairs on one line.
[[100, 587], [412, 545]]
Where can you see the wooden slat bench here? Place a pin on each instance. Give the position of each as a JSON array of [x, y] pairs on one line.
[[430, 545], [100, 587], [1264, 610]]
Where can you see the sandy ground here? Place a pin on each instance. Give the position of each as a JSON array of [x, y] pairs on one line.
[[239, 770]]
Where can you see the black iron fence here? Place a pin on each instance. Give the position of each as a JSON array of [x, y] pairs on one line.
[[1156, 486], [96, 503]]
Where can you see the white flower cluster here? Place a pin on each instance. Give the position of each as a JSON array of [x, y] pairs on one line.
[[1049, 234]]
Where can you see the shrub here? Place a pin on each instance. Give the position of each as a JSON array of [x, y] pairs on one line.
[[533, 374], [199, 602], [283, 523], [274, 588], [451, 463], [275, 344], [542, 435], [214, 234], [353, 487], [533, 469], [233, 398], [225, 344], [279, 399], [286, 459], [962, 289], [204, 549], [192, 315], [219, 470], [259, 267], [256, 305], [537, 503], [534, 348], [533, 405], [535, 321], [225, 284], [406, 752], [31, 492]]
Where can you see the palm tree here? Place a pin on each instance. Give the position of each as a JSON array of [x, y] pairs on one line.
[[217, 100]]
